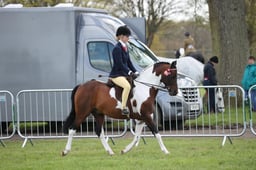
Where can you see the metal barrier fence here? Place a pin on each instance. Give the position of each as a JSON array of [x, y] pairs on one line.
[[41, 114], [7, 125], [252, 108], [189, 114]]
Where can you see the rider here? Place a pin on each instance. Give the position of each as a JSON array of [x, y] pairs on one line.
[[122, 66], [189, 44]]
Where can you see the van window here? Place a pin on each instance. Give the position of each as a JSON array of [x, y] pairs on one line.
[[140, 54], [100, 55]]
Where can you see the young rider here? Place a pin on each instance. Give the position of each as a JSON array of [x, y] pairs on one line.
[[122, 66]]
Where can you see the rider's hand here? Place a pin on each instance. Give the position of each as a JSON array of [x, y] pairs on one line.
[[135, 75]]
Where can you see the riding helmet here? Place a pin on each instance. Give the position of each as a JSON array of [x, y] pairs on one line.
[[123, 30]]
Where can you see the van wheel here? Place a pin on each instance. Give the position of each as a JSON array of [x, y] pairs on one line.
[[4, 127], [177, 124], [158, 118], [54, 127]]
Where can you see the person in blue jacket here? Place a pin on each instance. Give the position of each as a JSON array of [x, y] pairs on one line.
[[249, 79], [122, 65], [210, 80]]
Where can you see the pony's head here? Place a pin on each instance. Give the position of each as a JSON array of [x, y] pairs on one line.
[[168, 74]]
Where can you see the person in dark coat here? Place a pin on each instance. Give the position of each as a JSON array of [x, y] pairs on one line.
[[122, 65], [210, 80]]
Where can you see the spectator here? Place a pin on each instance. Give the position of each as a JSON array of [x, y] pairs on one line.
[[210, 80], [249, 79], [189, 44]]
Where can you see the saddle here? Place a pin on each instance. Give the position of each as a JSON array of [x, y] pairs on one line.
[[119, 90]]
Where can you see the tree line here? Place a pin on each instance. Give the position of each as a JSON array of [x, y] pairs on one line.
[[228, 32]]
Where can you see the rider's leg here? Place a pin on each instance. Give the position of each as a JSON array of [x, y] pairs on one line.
[[122, 82]]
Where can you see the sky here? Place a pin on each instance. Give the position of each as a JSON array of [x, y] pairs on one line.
[[189, 10]]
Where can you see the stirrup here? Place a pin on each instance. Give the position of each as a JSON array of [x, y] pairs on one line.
[[125, 111]]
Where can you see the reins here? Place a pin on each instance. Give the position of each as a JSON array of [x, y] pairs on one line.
[[159, 87], [162, 88]]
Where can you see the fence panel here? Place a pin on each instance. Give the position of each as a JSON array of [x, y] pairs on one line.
[[41, 114], [252, 108], [7, 125], [189, 114]]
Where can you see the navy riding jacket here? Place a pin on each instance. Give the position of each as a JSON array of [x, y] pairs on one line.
[[209, 74], [122, 64]]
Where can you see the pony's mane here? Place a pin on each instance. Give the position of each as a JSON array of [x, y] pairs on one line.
[[160, 63]]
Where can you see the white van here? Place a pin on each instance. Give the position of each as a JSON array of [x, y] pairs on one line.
[[57, 48]]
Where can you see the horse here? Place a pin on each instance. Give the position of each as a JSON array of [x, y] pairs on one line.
[[219, 101], [180, 53], [97, 98], [196, 55]]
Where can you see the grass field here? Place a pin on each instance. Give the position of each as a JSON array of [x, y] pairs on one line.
[[185, 154]]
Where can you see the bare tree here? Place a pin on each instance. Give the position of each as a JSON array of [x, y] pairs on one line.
[[198, 22], [34, 3], [92, 3], [229, 38], [251, 22], [41, 3], [154, 11]]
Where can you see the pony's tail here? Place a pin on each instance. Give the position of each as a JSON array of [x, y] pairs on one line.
[[70, 119]]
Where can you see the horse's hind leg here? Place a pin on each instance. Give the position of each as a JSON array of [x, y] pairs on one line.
[[100, 132], [69, 142], [105, 143], [71, 132], [138, 129]]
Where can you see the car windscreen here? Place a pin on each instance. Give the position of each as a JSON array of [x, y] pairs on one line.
[[140, 55]]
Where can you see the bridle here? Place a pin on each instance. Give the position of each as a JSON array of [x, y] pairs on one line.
[[159, 87]]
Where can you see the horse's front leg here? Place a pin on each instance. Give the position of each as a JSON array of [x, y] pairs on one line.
[[150, 123], [160, 141], [67, 149], [105, 143], [138, 129]]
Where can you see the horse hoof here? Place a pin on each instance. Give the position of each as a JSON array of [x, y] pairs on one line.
[[111, 153], [64, 153], [167, 152], [122, 152]]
